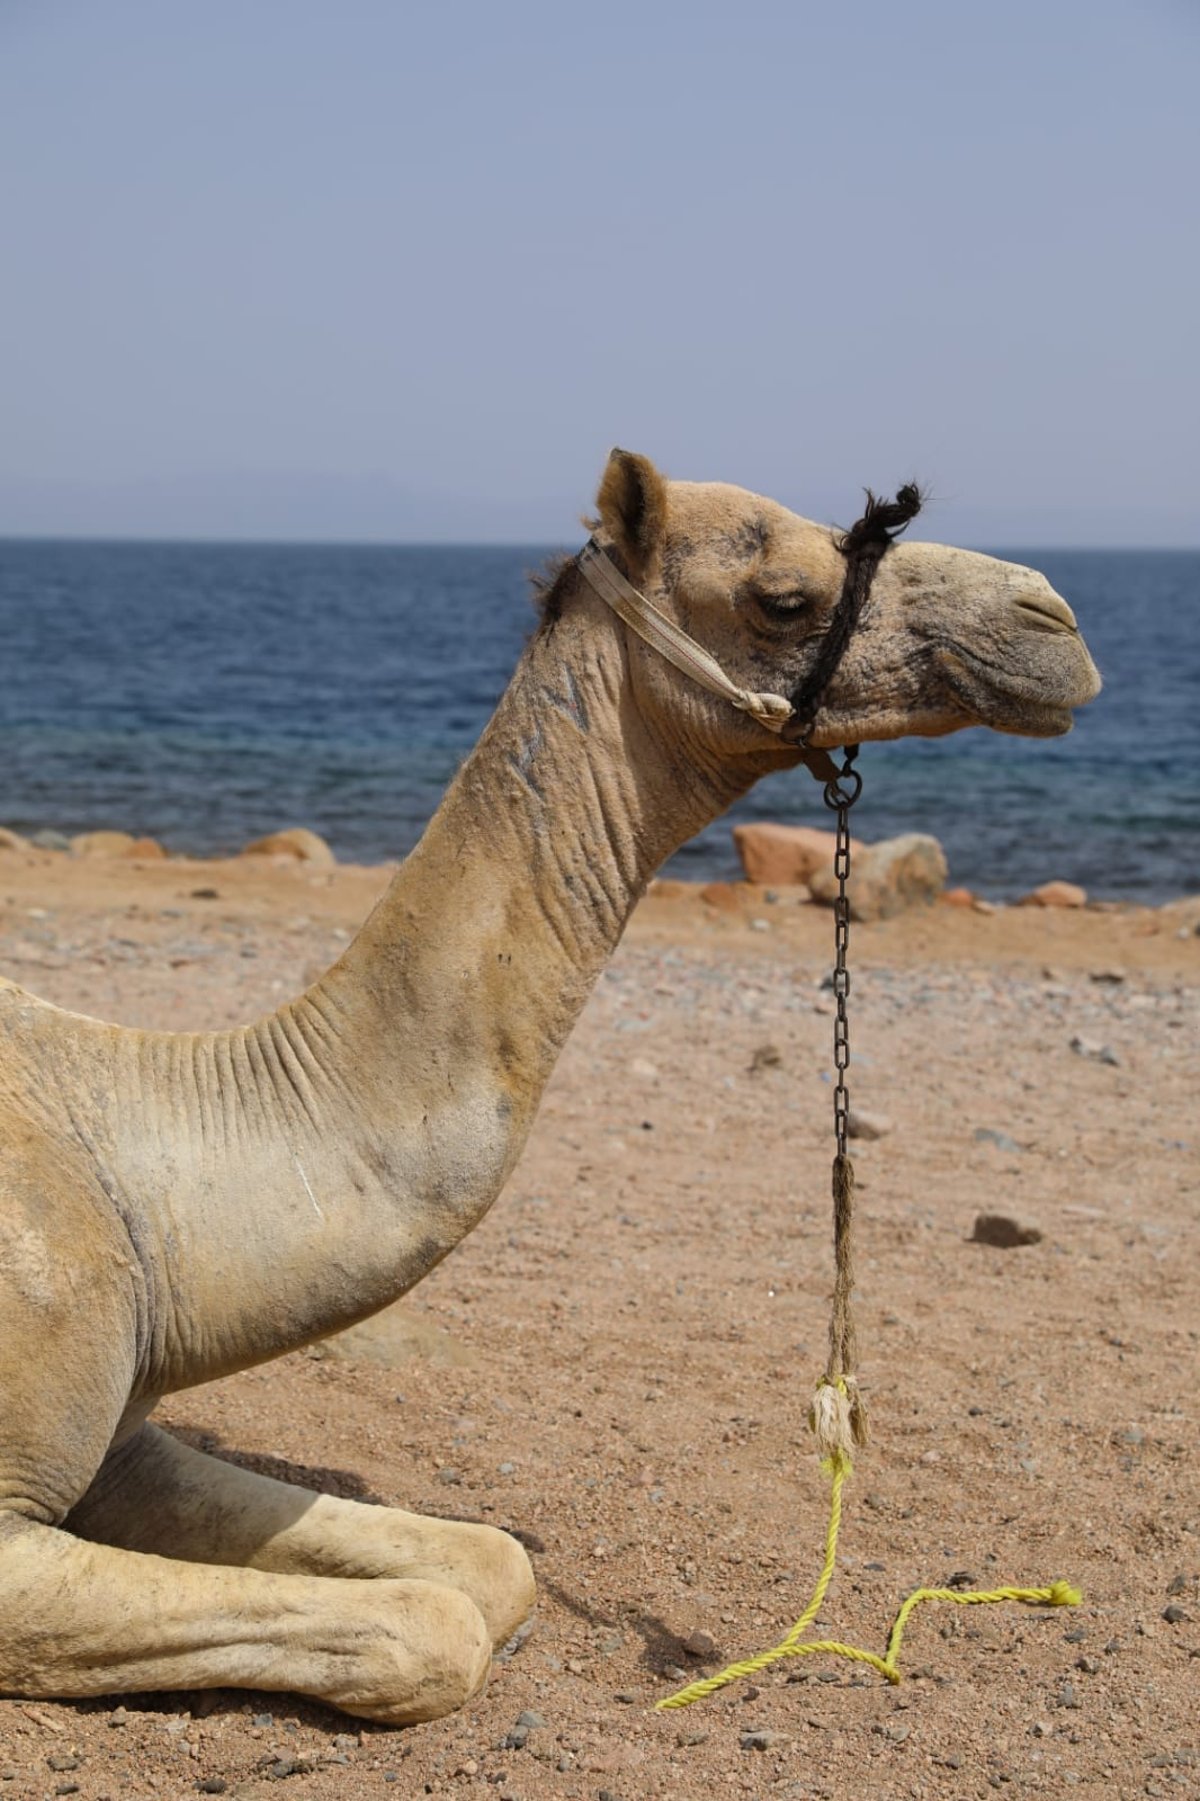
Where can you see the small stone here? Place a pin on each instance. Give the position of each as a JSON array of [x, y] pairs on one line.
[[67, 1788], [346, 1741], [517, 1739], [759, 1741], [1067, 1696], [1003, 1232], [1088, 1665], [864, 1125], [626, 1696], [767, 1056], [1001, 1140], [898, 1733], [50, 840], [1108, 978], [700, 1644], [212, 1785], [690, 1735], [1178, 1585], [118, 1717], [448, 1476], [1174, 1615], [263, 1719], [530, 1719], [1099, 1053], [63, 1761], [467, 1768]]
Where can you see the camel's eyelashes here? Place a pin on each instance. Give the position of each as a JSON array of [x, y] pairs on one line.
[[783, 606]]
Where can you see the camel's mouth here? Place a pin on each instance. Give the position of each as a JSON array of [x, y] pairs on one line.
[[1030, 706]]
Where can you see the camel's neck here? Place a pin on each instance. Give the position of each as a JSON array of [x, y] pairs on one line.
[[346, 1143], [464, 983]]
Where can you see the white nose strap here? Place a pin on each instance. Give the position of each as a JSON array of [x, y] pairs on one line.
[[671, 642]]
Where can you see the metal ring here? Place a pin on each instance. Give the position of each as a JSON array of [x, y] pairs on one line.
[[838, 794]]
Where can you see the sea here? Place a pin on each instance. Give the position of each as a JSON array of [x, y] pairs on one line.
[[204, 694]]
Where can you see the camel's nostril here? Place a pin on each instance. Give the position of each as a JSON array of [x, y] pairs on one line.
[[1047, 611]]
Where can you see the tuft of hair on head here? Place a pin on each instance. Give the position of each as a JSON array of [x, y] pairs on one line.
[[550, 587]]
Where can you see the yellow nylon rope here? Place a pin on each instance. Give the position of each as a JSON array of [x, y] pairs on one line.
[[839, 1468]]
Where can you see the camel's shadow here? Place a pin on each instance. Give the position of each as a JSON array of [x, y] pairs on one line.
[[347, 1485]]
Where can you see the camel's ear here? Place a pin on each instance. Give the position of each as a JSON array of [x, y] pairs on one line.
[[632, 503]]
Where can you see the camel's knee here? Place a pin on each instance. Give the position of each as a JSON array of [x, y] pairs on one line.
[[430, 1656], [505, 1591]]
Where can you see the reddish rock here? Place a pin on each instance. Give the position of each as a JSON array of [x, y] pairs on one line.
[[1056, 894], [145, 847], [784, 855], [12, 840], [889, 877], [667, 889], [297, 841], [723, 897], [958, 897]]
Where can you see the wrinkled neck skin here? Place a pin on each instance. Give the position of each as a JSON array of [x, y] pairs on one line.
[[300, 1173], [495, 929]]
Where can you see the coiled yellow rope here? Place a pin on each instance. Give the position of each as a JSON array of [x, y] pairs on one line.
[[838, 1467]]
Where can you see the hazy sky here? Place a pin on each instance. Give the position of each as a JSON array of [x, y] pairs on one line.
[[368, 268]]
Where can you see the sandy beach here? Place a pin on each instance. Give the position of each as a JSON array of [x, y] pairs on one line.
[[617, 1365]]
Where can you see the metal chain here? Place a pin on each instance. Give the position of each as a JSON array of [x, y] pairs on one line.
[[840, 796]]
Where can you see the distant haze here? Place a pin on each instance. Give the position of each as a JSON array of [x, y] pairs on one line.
[[384, 272]]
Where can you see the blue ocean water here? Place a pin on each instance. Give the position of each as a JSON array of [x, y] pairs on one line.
[[207, 693]]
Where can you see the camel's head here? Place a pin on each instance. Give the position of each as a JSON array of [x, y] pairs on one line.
[[948, 638]]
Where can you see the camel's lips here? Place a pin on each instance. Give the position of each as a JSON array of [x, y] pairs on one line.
[[1009, 701]]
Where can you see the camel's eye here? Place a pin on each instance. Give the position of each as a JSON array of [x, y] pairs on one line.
[[782, 604]]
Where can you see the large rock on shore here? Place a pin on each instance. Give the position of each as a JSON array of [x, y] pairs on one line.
[[297, 841], [102, 844], [887, 878], [114, 844], [784, 855], [1056, 894]]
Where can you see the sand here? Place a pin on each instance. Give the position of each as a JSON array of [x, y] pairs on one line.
[[617, 1364]]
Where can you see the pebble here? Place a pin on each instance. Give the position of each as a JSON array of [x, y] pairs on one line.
[[1005, 1233], [690, 1735], [448, 1476], [62, 1761], [212, 1785], [530, 1719], [759, 1741], [1174, 1615], [1178, 1585], [700, 1644], [1001, 1140], [1091, 1047], [1067, 1696], [864, 1125]]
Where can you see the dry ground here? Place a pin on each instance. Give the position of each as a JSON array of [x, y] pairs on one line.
[[618, 1363]]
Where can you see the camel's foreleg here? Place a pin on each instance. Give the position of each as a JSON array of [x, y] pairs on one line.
[[158, 1495], [87, 1619]]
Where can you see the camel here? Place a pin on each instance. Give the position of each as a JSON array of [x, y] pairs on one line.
[[178, 1206]]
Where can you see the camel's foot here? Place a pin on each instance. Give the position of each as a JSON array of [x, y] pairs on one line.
[[159, 1495], [85, 1619]]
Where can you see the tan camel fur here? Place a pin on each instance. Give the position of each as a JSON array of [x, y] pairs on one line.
[[177, 1206]]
